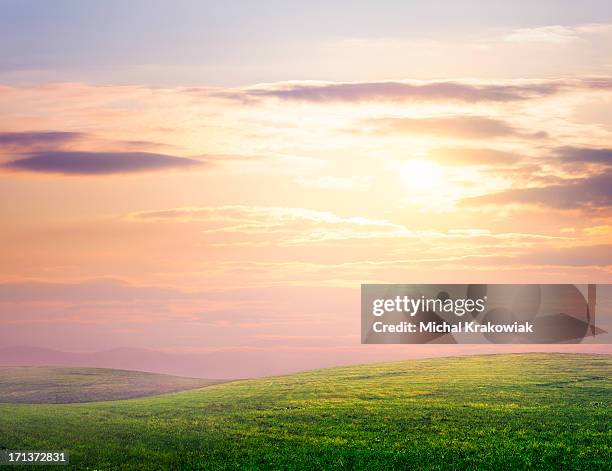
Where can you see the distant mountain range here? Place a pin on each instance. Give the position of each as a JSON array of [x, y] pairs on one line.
[[232, 364], [195, 365], [221, 364]]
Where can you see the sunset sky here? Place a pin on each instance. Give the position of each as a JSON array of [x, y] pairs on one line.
[[197, 176]]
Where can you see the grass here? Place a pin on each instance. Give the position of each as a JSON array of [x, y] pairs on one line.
[[54, 385], [521, 411]]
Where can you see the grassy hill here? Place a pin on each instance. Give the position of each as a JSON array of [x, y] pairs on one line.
[[536, 411], [56, 385]]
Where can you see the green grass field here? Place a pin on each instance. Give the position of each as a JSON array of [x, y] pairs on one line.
[[522, 411], [56, 385]]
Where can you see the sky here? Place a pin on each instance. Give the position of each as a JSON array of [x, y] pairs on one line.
[[198, 177]]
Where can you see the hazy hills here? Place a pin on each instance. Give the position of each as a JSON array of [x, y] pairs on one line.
[[60, 385], [232, 364]]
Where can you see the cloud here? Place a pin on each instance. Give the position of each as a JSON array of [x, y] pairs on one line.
[[578, 256], [544, 34], [597, 83], [260, 225], [329, 182], [286, 226], [404, 90], [468, 127], [88, 290], [585, 155], [593, 192], [561, 35], [36, 140], [473, 157], [29, 142], [321, 92], [98, 163]]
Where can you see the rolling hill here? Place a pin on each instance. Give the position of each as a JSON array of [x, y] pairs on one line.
[[233, 364], [54, 385], [518, 411]]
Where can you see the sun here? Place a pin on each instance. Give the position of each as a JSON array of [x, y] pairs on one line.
[[421, 174]]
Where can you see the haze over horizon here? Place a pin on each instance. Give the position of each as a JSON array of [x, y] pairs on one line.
[[222, 178]]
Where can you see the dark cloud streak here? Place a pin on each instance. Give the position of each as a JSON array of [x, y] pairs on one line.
[[98, 163], [582, 155], [593, 192], [36, 140], [396, 91]]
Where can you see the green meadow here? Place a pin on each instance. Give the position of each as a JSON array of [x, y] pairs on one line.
[[519, 411]]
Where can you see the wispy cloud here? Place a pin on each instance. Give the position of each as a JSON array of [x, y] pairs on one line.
[[544, 34], [29, 141], [240, 225], [86, 291], [287, 226], [558, 34], [329, 182], [471, 156], [457, 126]]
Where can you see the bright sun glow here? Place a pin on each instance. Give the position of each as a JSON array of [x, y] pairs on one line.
[[421, 174]]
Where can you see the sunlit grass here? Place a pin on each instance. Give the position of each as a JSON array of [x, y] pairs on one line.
[[538, 411]]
